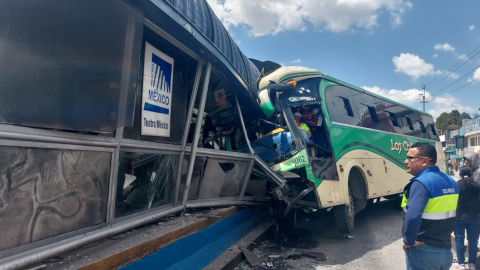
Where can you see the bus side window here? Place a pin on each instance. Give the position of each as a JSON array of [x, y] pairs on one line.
[[347, 105], [432, 127], [393, 118], [340, 106], [373, 113], [409, 122], [422, 126]]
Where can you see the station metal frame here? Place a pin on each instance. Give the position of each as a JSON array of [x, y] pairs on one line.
[[36, 252]]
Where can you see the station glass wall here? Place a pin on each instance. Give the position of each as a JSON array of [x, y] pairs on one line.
[[66, 65], [48, 192]]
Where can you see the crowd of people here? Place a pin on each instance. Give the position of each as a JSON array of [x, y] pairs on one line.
[[434, 206]]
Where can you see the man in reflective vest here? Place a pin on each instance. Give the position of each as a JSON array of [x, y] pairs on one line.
[[430, 203]]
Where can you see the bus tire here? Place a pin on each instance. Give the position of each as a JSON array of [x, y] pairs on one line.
[[345, 216]]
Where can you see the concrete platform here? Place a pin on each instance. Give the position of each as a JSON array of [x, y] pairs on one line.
[[189, 242]]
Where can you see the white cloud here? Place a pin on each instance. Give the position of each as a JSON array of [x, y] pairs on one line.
[[475, 77], [411, 97], [413, 66], [265, 17], [463, 57], [282, 64], [238, 42], [453, 75], [471, 28], [444, 47], [435, 55], [447, 103], [296, 61]]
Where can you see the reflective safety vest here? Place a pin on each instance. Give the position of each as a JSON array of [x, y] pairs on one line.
[[438, 218]]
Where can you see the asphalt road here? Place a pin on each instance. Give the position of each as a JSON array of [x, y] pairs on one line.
[[376, 242]]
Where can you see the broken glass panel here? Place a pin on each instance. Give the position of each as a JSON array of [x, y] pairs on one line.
[[222, 178], [197, 175], [145, 181]]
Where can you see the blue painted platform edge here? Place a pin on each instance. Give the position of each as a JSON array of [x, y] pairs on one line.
[[199, 249]]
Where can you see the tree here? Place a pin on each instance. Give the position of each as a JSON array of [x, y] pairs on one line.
[[452, 120], [454, 117], [442, 121], [453, 126]]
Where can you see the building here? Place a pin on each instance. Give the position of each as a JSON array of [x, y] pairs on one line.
[[457, 149], [464, 140], [472, 135]]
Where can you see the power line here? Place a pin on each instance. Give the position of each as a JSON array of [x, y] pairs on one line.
[[417, 104], [464, 62], [467, 56], [463, 86], [456, 81]]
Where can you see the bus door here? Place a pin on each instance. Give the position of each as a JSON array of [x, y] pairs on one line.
[[304, 104], [310, 121]]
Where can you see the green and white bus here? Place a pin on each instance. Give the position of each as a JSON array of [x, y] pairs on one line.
[[350, 147]]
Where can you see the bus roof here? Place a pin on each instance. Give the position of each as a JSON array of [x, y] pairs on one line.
[[287, 73], [333, 79]]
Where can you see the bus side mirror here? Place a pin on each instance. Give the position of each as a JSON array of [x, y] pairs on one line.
[[263, 97]]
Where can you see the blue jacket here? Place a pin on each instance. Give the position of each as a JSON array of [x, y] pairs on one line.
[[432, 228]]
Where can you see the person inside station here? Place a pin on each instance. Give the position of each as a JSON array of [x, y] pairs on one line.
[[304, 129]]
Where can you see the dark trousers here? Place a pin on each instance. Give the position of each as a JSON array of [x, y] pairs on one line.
[[425, 257], [472, 237]]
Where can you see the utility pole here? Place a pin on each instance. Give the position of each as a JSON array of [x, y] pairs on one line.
[[423, 94]]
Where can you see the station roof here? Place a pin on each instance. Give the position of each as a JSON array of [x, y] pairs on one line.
[[202, 17]]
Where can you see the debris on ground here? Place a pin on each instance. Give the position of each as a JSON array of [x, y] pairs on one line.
[[244, 267], [115, 237], [350, 236], [294, 254], [252, 259], [54, 260], [43, 266], [314, 254], [92, 244]]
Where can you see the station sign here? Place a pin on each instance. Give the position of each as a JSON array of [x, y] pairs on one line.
[[157, 92]]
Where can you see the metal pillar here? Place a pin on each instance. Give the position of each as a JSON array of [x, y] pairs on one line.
[[187, 127], [196, 136], [243, 126], [112, 190], [245, 134]]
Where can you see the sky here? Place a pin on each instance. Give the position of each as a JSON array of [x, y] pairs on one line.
[[389, 47]]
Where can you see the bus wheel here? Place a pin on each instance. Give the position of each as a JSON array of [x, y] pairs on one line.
[[345, 216]]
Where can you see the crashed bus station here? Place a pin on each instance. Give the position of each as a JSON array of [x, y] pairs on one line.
[[122, 118]]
